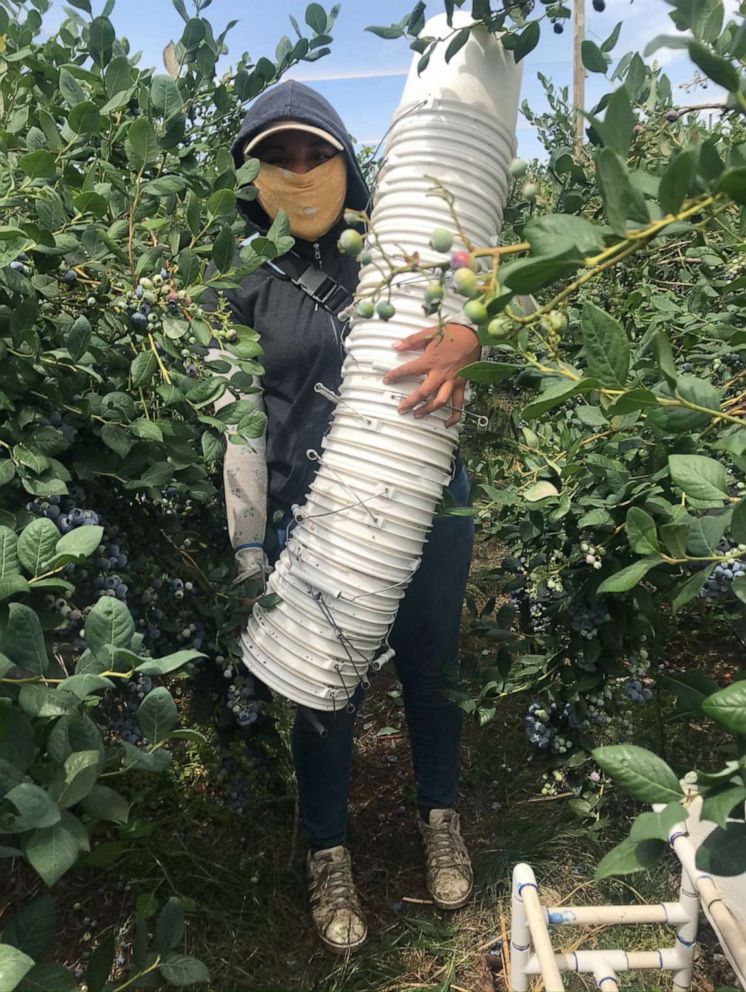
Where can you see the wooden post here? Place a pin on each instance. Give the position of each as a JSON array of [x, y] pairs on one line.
[[578, 70]]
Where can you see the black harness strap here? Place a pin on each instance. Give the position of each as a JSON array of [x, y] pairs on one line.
[[322, 289]]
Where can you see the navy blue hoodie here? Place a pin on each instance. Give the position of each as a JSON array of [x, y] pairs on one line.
[[302, 342]]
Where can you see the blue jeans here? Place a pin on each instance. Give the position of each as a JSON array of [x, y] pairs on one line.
[[425, 637]]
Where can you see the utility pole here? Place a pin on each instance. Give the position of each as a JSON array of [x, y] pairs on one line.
[[578, 70]]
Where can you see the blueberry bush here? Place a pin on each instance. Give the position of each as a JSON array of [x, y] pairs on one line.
[[613, 470], [117, 588]]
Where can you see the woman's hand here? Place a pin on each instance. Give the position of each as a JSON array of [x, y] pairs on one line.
[[443, 356]]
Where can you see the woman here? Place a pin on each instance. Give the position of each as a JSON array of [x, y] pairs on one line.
[[310, 171]]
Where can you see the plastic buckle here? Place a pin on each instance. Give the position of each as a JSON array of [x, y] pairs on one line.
[[316, 283]]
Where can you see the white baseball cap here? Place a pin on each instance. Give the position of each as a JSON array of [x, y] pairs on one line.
[[291, 125]]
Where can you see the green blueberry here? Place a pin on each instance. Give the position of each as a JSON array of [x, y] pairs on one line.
[[499, 328], [385, 310], [441, 239], [350, 242], [433, 292], [518, 168], [465, 282], [557, 321], [529, 191], [476, 311], [365, 308], [365, 257]]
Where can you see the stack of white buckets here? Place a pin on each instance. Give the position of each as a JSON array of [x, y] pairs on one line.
[[356, 543]]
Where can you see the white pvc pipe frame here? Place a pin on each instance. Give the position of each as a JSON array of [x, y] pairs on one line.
[[531, 951], [382, 474]]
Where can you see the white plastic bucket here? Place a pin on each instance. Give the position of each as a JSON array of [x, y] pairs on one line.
[[347, 564]]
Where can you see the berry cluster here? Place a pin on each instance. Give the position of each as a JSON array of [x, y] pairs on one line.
[[541, 733], [241, 698], [587, 620], [733, 566], [64, 511], [593, 554], [634, 689]]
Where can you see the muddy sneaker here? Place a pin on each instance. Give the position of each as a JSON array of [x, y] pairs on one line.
[[335, 907], [449, 876]]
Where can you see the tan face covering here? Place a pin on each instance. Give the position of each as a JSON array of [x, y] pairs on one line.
[[312, 200]]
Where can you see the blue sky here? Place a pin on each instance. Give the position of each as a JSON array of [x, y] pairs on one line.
[[364, 75]]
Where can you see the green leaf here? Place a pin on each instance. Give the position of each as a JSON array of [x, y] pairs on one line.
[[628, 577], [100, 964], [157, 715], [247, 173], [35, 806], [165, 96], [677, 179], [84, 118], [527, 40], [7, 473], [705, 534], [700, 477], [558, 393], [531, 274], [592, 56], [78, 338], [733, 182], [723, 852], [606, 347], [9, 564], [38, 164], [89, 202], [715, 67], [169, 663], [75, 779], [149, 761], [180, 970], [718, 806], [165, 186], [223, 250], [488, 372], [14, 964], [31, 928], [108, 625], [23, 640], [40, 701], [221, 203], [640, 772], [630, 856], [80, 542], [52, 851], [71, 90], [556, 233], [143, 368], [48, 978], [728, 707], [14, 585], [36, 544], [103, 803], [141, 143], [169, 927], [691, 587], [315, 18], [641, 532], [657, 826], [101, 39], [613, 180]]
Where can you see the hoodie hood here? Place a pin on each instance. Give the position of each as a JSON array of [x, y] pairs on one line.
[[295, 101]]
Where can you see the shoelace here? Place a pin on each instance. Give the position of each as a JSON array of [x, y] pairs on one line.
[[446, 848], [336, 887]]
